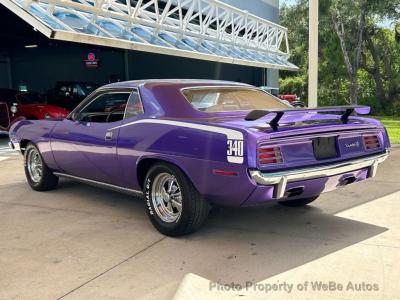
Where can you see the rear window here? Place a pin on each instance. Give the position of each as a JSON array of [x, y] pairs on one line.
[[231, 99]]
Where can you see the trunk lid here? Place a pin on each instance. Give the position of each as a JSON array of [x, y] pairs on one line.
[[307, 139]]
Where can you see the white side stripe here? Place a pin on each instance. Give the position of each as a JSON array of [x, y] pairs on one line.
[[230, 133], [235, 159]]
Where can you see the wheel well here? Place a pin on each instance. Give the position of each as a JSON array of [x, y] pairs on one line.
[[144, 166], [31, 118], [23, 144]]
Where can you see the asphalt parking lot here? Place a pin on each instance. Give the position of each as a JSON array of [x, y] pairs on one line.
[[80, 242]]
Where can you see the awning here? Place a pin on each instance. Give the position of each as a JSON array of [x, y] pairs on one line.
[[199, 29]]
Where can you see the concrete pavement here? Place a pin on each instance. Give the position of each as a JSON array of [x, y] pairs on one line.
[[368, 269], [80, 242], [5, 151]]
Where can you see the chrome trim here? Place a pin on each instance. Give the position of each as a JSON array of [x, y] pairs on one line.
[[140, 99], [98, 93], [14, 146], [281, 186], [373, 169], [341, 133], [101, 184], [281, 179]]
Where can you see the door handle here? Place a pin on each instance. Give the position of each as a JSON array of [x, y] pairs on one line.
[[109, 136]]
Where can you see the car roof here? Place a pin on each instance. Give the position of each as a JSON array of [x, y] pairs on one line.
[[168, 96], [177, 83]]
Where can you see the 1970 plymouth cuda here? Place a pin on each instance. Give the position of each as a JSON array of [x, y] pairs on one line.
[[187, 144]]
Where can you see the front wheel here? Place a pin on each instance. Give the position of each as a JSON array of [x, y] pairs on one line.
[[173, 204], [298, 202], [39, 176]]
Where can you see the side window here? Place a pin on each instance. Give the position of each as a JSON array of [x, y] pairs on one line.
[[134, 107], [109, 107]]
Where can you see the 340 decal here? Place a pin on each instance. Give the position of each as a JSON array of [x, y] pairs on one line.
[[235, 148]]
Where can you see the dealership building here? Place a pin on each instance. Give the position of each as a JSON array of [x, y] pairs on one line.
[[46, 41]]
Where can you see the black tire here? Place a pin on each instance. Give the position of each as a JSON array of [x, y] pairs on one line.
[[298, 202], [47, 181], [194, 209]]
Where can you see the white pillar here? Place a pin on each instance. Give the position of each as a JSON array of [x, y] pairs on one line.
[[313, 55]]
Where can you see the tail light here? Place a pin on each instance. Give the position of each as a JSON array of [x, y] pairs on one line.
[[371, 142], [269, 155]]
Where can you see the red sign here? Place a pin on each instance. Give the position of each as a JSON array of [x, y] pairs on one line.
[[91, 61]]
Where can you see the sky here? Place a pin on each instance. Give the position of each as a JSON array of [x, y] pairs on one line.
[[288, 2]]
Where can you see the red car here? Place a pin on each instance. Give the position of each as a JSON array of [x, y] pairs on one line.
[[291, 98], [16, 106]]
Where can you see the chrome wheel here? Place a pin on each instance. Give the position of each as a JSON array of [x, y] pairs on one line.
[[34, 165], [166, 196]]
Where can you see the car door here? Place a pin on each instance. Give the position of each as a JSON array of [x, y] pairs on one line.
[[83, 145], [131, 141]]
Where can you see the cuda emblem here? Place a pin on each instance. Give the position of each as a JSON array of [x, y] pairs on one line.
[[353, 145], [235, 151]]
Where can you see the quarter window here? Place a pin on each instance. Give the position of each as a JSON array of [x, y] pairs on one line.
[[134, 107]]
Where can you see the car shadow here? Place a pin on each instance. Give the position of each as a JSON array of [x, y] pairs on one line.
[[239, 244], [265, 241], [103, 199]]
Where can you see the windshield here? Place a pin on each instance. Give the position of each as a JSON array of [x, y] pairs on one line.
[[227, 99], [30, 98]]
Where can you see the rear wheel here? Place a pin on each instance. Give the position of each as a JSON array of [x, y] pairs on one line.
[[39, 176], [173, 204], [298, 202]]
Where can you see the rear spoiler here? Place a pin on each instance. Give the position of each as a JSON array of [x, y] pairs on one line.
[[279, 113]]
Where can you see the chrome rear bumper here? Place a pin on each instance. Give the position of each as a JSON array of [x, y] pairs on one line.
[[281, 179]]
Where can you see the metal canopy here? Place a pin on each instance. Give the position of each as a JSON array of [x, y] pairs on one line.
[[200, 29]]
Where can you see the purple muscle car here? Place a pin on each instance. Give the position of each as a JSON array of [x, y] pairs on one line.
[[185, 145]]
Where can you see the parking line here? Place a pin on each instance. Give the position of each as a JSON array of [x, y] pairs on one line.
[[113, 267]]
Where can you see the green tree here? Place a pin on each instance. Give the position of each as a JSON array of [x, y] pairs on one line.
[[381, 60], [359, 59], [349, 20]]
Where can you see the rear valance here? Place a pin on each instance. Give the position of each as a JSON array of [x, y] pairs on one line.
[[279, 113]]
